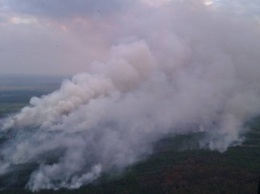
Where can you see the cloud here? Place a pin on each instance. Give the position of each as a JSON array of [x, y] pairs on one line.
[[29, 48], [240, 6], [68, 8], [74, 33], [55, 38]]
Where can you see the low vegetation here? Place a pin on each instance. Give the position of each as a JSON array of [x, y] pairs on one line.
[[177, 166]]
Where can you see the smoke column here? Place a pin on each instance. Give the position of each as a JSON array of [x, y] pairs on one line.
[[194, 68]]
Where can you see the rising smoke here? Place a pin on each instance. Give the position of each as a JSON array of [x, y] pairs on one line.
[[185, 65]]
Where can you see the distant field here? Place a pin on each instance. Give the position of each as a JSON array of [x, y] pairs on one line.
[[171, 169], [16, 91], [29, 83], [7, 108]]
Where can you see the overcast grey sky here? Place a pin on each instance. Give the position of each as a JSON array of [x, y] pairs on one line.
[[65, 36]]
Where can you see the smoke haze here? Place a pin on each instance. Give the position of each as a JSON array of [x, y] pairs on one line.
[[175, 68]]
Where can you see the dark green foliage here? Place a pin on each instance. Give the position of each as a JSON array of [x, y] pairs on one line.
[[176, 167], [170, 170]]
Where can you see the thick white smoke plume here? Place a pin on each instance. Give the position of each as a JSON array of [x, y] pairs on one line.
[[191, 69]]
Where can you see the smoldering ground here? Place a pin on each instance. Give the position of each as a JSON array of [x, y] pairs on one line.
[[176, 69]]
